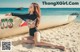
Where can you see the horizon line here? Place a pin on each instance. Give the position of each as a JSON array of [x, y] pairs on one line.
[[41, 7]]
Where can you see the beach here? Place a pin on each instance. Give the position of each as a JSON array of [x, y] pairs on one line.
[[67, 35]]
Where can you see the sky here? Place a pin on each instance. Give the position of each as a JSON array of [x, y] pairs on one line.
[[26, 3]]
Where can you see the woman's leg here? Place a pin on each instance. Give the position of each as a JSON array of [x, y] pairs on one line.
[[28, 40], [36, 43]]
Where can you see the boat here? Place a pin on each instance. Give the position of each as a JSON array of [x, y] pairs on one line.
[[20, 8], [46, 22]]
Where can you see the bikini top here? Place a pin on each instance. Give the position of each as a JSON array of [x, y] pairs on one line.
[[31, 22]]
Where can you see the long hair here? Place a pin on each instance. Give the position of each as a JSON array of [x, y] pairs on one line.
[[37, 12]]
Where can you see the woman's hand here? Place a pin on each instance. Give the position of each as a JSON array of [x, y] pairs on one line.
[[9, 14]]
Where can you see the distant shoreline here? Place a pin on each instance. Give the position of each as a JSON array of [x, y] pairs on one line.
[[41, 8]]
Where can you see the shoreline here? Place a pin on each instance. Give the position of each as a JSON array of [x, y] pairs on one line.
[[67, 35]]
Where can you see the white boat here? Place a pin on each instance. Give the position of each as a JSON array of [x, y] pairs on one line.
[[46, 22]]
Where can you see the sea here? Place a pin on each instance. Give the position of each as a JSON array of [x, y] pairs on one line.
[[45, 11]]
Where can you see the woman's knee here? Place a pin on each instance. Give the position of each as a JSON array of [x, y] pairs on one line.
[[24, 39]]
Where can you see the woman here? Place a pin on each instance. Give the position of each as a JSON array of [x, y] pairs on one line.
[[33, 20]]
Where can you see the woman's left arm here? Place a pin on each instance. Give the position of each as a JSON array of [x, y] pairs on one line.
[[37, 21]]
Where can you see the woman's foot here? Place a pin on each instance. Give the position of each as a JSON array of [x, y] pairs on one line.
[[58, 47]]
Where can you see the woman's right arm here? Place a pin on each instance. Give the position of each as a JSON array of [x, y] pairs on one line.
[[18, 14], [22, 16]]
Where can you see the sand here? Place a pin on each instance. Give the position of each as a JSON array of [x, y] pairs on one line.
[[67, 35]]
